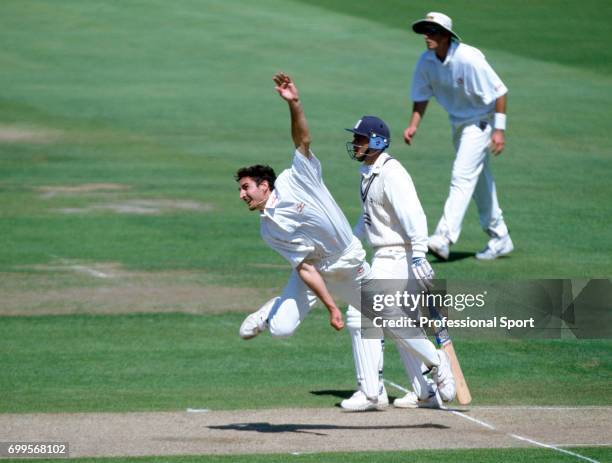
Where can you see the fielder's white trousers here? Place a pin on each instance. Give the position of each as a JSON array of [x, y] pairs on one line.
[[389, 262], [471, 178]]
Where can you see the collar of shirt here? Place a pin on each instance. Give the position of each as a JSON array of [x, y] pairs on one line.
[[431, 54], [374, 169], [271, 203]]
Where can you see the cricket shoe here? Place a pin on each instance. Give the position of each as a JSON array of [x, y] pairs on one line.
[[438, 246], [443, 377], [358, 402], [257, 321], [411, 400], [496, 247]]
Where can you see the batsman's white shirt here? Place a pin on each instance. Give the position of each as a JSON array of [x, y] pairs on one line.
[[392, 214], [465, 85], [301, 219]]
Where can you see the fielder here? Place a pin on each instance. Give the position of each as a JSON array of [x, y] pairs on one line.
[[395, 226], [466, 86], [302, 222]]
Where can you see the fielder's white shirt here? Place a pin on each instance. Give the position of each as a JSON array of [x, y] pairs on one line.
[[464, 84], [392, 214], [301, 219]]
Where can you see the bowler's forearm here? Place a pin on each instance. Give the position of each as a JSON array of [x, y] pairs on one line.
[[299, 127], [313, 279]]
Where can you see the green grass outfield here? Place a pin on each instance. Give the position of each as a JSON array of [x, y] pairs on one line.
[[145, 362], [170, 98], [419, 456], [167, 99]]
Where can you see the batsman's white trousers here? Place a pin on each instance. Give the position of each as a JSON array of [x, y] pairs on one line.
[[344, 276], [390, 262], [471, 178]]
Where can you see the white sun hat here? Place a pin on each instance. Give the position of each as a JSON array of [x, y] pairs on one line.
[[435, 19]]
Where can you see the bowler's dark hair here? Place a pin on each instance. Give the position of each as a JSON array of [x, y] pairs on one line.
[[258, 173]]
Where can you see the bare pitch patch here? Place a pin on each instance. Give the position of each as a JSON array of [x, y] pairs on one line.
[[48, 192], [96, 191], [66, 287], [302, 430], [16, 134], [142, 206]]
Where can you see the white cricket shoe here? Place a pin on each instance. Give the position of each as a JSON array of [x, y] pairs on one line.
[[496, 247], [443, 376], [257, 321], [411, 400], [358, 402], [438, 246]]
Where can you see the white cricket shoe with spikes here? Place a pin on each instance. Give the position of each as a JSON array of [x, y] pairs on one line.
[[257, 321], [439, 246], [411, 400], [358, 402], [496, 247]]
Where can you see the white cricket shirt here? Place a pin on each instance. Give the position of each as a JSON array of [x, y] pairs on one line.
[[392, 214], [464, 84], [301, 219]]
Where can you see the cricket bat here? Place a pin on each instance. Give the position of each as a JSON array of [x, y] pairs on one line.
[[446, 344]]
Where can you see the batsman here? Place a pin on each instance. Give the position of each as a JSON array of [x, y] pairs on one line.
[[394, 224]]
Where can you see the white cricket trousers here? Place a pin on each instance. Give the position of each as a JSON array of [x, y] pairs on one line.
[[471, 178], [344, 276], [388, 262]]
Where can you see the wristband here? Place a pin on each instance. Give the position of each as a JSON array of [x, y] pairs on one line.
[[499, 122]]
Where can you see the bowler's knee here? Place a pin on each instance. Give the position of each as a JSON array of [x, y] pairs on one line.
[[283, 328]]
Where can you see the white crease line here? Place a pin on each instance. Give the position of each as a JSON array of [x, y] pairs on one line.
[[396, 386], [471, 418], [535, 407], [89, 271], [552, 447], [197, 410], [515, 436]]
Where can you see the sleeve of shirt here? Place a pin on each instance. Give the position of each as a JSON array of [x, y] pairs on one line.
[[294, 250], [483, 81], [401, 194], [359, 228], [307, 168], [421, 87]]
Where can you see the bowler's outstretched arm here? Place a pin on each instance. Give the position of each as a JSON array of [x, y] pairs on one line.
[[299, 128]]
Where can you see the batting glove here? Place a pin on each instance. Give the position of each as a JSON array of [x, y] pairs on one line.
[[423, 273]]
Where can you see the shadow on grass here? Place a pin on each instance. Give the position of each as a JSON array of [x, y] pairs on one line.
[[454, 256], [340, 393], [312, 428]]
